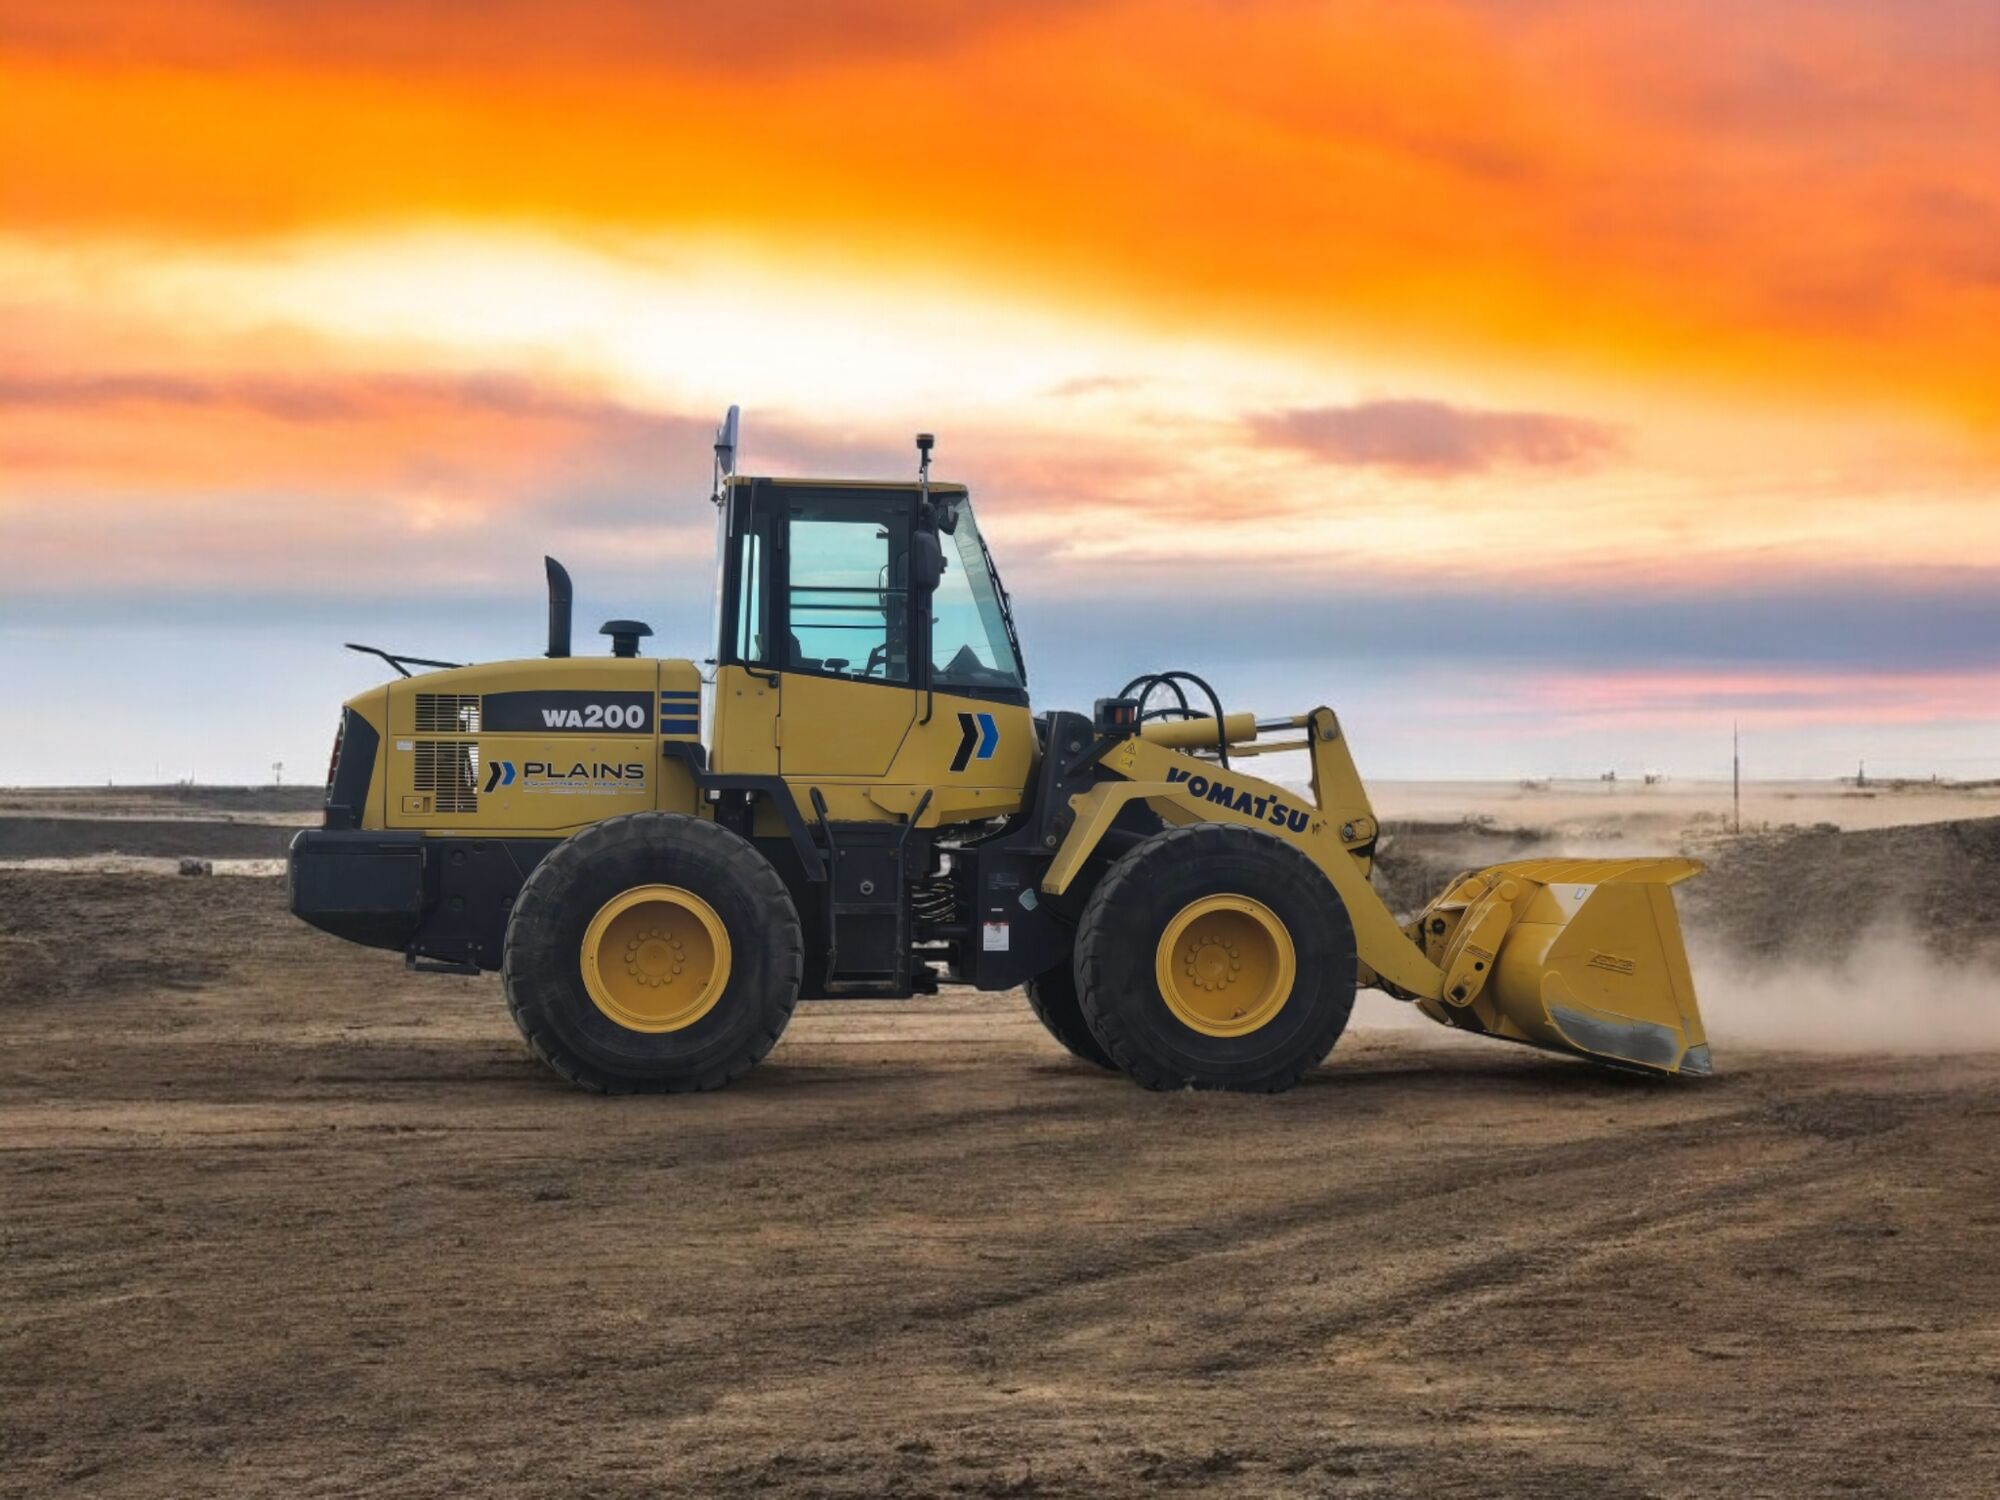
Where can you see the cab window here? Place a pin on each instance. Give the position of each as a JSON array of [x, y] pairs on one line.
[[752, 611], [970, 643], [847, 602]]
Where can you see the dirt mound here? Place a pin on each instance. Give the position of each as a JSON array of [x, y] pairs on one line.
[[1414, 859], [1791, 895], [76, 838], [306, 799], [164, 799], [1819, 895]]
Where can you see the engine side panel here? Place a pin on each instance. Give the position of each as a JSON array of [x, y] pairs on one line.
[[525, 748]]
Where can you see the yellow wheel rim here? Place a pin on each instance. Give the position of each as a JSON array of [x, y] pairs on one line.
[[655, 958], [1226, 965]]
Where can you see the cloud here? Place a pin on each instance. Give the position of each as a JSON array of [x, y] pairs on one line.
[[1561, 181], [331, 397], [1099, 385], [1436, 438], [505, 437], [448, 36]]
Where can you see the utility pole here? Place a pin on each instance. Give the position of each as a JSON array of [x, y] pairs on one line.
[[1736, 771]]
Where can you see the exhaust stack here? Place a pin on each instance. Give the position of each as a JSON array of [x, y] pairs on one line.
[[560, 597]]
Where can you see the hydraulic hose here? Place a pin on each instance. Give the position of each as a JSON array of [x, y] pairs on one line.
[[1147, 684]]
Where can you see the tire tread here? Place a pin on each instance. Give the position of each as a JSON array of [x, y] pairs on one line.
[[540, 904], [1194, 844], [1054, 1000]]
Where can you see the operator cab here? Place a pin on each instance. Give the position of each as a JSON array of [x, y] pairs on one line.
[[888, 584]]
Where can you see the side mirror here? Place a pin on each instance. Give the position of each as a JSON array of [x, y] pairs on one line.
[[926, 561]]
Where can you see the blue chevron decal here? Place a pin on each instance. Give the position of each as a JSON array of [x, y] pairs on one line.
[[977, 734]]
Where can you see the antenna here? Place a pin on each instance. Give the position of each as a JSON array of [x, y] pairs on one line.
[[1736, 772], [725, 451], [925, 442]]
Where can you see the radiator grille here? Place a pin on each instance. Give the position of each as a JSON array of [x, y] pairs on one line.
[[447, 713], [449, 771]]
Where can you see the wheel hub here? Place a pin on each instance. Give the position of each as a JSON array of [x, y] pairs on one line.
[[1213, 962], [655, 958], [1225, 965]]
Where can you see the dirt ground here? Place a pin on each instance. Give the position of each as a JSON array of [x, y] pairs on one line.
[[278, 1218]]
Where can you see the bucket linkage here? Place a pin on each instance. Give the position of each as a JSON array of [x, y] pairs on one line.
[[1583, 956]]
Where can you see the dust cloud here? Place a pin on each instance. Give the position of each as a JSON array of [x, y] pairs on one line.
[[1886, 994]]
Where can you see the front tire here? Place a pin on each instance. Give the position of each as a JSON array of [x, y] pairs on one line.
[[652, 953], [1216, 957]]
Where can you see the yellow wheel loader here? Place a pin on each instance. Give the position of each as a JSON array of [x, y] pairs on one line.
[[859, 801]]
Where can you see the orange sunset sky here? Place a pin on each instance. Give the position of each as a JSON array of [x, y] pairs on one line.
[[1547, 384]]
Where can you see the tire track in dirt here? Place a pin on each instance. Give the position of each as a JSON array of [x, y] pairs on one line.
[[1237, 1233]]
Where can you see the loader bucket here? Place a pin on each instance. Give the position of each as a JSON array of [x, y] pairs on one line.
[[1574, 955]]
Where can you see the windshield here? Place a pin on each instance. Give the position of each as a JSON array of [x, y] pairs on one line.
[[972, 644]]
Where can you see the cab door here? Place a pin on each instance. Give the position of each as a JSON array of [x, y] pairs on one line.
[[743, 699], [847, 647]]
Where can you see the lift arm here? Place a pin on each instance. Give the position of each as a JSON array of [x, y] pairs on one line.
[[1336, 831]]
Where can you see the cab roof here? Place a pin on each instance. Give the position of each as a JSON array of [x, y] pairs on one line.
[[908, 486]]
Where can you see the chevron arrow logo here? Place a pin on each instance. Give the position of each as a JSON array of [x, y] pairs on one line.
[[498, 773], [978, 738]]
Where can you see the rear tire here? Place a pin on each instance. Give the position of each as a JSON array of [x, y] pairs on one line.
[[1053, 999], [737, 964], [1251, 938]]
